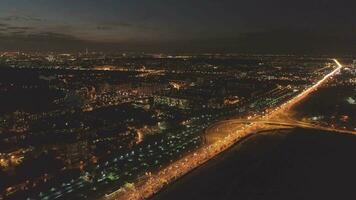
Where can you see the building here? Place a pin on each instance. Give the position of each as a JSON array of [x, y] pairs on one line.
[[190, 99], [177, 102]]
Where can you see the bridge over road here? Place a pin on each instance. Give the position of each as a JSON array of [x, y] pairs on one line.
[[219, 129]]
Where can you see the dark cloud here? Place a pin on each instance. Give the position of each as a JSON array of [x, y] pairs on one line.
[[120, 24], [275, 41], [18, 28], [8, 29], [107, 26], [44, 41], [3, 25], [113, 25], [328, 41], [104, 28], [21, 18], [18, 32], [296, 41], [51, 41], [52, 36]]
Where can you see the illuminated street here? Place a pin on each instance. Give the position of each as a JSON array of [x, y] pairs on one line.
[[230, 132]]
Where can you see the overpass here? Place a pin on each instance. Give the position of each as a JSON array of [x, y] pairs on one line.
[[269, 124]]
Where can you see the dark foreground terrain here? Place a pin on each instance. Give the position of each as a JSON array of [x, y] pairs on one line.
[[300, 164]]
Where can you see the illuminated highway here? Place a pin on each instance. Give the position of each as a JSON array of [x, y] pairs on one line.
[[229, 126], [219, 137]]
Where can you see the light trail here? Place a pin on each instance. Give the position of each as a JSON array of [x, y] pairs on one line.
[[153, 183], [277, 122], [309, 90], [337, 62]]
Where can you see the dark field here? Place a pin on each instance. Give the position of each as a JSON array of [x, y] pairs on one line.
[[329, 106], [301, 164]]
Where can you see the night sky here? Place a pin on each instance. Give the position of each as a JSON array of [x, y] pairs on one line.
[[256, 26]]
